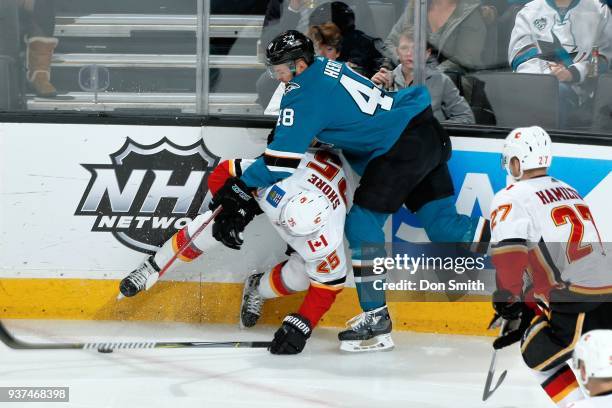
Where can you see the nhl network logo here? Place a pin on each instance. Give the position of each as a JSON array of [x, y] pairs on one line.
[[149, 192]]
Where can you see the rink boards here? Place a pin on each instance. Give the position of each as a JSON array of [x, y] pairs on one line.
[[80, 205]]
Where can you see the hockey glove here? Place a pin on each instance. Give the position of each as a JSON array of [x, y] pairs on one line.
[[506, 304], [239, 209], [518, 315], [236, 198], [228, 229], [292, 335]]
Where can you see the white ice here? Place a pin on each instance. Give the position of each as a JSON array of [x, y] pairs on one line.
[[424, 370]]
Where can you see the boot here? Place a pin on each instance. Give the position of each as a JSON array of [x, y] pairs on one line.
[[369, 331], [141, 278], [252, 302], [39, 54]]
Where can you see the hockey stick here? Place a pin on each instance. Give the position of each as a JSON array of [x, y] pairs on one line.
[[190, 240], [155, 277], [108, 347], [488, 391]]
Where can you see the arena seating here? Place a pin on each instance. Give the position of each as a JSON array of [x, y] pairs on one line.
[[529, 99], [149, 49]]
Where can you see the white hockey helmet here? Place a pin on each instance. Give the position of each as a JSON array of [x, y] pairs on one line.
[[531, 146], [305, 213], [594, 350]]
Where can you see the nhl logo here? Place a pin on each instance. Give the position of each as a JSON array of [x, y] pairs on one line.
[[540, 23], [148, 192]]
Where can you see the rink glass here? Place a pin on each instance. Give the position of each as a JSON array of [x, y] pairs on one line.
[[206, 57]]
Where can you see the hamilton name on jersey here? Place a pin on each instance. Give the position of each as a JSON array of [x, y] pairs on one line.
[[556, 194]]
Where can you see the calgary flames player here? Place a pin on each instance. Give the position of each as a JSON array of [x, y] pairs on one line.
[[550, 262], [593, 362], [308, 210]]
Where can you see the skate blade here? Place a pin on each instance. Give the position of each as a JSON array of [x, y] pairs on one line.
[[383, 342]]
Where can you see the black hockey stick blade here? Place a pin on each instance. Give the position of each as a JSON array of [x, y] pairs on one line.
[[14, 343]]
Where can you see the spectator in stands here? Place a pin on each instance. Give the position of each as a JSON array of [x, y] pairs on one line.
[[37, 19], [558, 37], [283, 15], [361, 51], [456, 30], [326, 38], [447, 104]]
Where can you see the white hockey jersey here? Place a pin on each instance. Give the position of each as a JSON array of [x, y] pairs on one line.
[[320, 171], [564, 248], [605, 401], [543, 33]]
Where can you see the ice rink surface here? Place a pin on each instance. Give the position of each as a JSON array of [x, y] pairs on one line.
[[424, 370]]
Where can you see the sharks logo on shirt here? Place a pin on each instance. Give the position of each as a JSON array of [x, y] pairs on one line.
[[540, 23], [290, 87]]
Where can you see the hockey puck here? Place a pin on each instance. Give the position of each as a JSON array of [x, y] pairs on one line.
[[105, 350]]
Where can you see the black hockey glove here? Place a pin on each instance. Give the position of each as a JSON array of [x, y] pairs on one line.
[[516, 313], [506, 304], [239, 209], [228, 229], [292, 335]]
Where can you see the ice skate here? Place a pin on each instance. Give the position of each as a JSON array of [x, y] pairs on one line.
[[140, 279], [369, 331], [252, 302]]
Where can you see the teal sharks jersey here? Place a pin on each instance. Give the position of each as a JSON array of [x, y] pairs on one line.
[[332, 104]]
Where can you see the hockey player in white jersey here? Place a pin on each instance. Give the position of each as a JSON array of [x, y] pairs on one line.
[[308, 211], [593, 362], [546, 250]]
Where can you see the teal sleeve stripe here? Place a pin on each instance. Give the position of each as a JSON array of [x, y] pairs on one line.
[[524, 56]]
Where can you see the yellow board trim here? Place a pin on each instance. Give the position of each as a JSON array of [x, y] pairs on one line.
[[207, 302]]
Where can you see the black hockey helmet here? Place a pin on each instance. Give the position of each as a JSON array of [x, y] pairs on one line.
[[288, 47], [338, 12]]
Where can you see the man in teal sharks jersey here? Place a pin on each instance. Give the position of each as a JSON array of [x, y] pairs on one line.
[[391, 139]]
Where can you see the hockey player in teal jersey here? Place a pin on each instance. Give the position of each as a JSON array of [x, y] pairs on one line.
[[391, 139]]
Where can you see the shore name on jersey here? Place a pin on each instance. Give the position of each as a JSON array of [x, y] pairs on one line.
[[550, 195], [332, 69], [326, 189]]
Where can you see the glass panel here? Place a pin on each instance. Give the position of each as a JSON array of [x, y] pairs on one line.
[[516, 66], [234, 63], [351, 31], [114, 55]]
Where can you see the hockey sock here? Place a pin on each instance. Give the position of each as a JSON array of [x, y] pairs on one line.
[[442, 223], [177, 244], [364, 231], [560, 384], [284, 279], [317, 302], [369, 286]]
